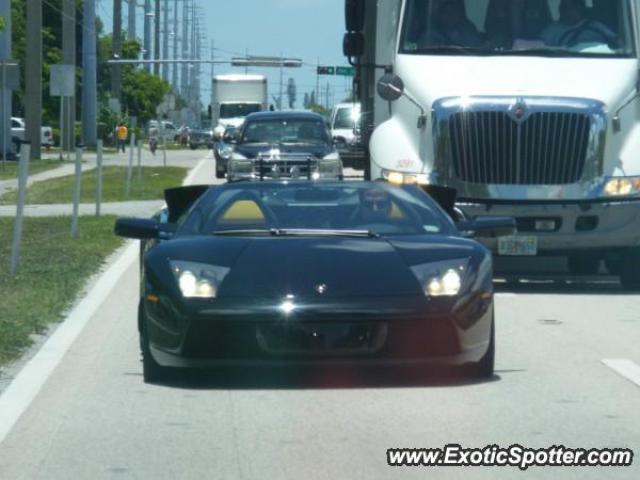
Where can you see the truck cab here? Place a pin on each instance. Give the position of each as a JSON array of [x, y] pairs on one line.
[[527, 108]]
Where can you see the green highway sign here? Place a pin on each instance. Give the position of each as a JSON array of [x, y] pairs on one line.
[[345, 71]]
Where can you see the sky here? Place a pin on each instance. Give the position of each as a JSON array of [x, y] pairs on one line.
[[311, 30]]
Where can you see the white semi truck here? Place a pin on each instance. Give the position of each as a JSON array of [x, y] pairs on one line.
[[233, 97], [527, 108]]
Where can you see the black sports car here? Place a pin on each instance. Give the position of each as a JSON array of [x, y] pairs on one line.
[[313, 272]]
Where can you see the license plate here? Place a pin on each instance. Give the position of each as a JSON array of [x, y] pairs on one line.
[[518, 246]]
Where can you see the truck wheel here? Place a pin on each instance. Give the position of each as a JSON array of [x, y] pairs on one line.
[[583, 263], [193, 147]]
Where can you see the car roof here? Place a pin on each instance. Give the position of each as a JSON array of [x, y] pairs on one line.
[[286, 115]]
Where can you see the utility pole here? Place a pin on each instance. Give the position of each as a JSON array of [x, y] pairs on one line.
[[156, 42], [5, 55], [116, 81], [184, 77], [165, 40], [33, 68], [326, 99], [281, 81], [90, 76], [131, 20], [68, 58], [318, 83], [174, 68], [147, 34]]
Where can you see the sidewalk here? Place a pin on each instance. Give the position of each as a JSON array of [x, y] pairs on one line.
[[121, 209], [175, 158]]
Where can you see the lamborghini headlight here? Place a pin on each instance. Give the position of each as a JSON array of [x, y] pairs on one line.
[[198, 280], [621, 187], [441, 279]]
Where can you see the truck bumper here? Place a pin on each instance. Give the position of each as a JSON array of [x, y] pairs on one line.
[[567, 227]]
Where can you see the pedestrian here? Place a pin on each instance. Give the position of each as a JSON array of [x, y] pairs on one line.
[[122, 133]]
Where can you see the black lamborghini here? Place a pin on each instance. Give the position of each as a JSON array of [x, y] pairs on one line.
[[336, 273]]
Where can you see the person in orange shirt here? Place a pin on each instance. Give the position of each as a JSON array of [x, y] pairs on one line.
[[122, 133]]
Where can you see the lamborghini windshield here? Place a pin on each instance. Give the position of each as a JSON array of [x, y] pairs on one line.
[[303, 208], [558, 28]]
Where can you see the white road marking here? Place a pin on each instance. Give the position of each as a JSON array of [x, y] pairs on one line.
[[626, 368], [24, 388]]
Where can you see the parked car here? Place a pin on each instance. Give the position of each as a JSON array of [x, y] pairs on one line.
[[18, 127], [310, 272], [284, 144], [167, 131]]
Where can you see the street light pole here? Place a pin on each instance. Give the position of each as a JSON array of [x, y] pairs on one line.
[[147, 33], [156, 43], [89, 76], [116, 85], [33, 68], [5, 55], [68, 58], [165, 40]]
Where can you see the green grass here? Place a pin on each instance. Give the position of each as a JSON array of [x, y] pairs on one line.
[[53, 270], [35, 166], [155, 180]]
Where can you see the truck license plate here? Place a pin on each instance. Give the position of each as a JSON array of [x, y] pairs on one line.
[[518, 246]]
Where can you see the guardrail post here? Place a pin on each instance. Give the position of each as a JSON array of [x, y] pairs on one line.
[[23, 176], [76, 194]]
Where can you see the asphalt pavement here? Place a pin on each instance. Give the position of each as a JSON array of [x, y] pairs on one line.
[[94, 418]]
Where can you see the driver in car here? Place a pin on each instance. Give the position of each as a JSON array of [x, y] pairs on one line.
[[375, 207], [575, 27]]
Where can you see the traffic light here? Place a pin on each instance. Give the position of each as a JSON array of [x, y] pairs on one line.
[[325, 70]]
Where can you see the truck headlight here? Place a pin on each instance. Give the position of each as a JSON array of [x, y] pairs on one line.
[[239, 166], [400, 178], [198, 280], [329, 167], [441, 279], [621, 187]]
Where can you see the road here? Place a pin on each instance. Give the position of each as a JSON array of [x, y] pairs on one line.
[[95, 419]]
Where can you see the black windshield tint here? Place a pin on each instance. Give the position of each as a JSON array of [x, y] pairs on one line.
[[285, 131], [375, 209], [595, 28], [238, 110]]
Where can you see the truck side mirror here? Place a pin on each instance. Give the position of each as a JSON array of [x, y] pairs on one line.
[[353, 44], [354, 15], [390, 87]]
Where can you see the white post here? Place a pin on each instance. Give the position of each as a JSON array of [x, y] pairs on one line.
[[164, 152], [76, 194], [4, 106], [130, 168], [61, 128], [99, 178], [23, 176], [139, 146]]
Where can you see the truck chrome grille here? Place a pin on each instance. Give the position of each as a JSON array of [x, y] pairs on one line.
[[494, 147]]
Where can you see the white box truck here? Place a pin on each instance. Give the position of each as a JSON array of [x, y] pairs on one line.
[[233, 97], [527, 108]]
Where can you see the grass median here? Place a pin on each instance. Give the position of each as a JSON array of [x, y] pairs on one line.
[[155, 180], [10, 171], [53, 270]]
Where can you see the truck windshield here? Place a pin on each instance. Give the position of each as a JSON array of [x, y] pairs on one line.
[[568, 28], [346, 118], [238, 110]]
